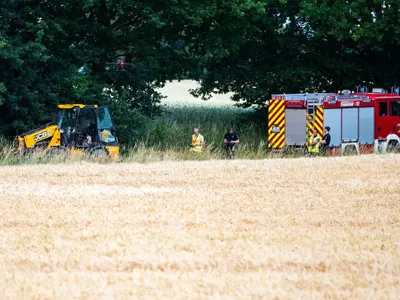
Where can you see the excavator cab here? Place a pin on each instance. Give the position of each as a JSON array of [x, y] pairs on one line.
[[87, 127]]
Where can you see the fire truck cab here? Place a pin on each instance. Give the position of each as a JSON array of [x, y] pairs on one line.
[[362, 122]]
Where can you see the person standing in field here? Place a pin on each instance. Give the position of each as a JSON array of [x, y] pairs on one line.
[[197, 141], [231, 140], [326, 140], [314, 143]]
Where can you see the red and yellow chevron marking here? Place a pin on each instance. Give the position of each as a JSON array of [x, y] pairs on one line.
[[276, 124], [316, 122], [319, 121], [310, 125]]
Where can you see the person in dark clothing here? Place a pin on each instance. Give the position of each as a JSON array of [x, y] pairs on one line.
[[231, 140], [326, 140]]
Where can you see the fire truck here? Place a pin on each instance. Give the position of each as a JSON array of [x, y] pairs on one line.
[[360, 122]]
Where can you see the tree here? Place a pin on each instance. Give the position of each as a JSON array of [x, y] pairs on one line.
[[64, 51], [31, 77], [363, 33], [305, 46]]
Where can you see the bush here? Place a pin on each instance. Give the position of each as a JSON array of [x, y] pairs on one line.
[[173, 128], [167, 136]]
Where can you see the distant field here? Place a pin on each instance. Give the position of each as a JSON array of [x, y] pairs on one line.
[[285, 228], [177, 93]]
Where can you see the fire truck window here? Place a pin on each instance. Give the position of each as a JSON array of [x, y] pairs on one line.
[[395, 109], [383, 111]]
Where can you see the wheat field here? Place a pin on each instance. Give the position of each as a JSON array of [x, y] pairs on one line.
[[307, 228], [178, 93]]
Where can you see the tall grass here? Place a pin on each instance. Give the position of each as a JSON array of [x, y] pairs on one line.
[[40, 156], [168, 136], [6, 154], [8, 157], [172, 131]]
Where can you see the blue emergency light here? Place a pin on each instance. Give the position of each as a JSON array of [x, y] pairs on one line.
[[362, 90], [396, 90]]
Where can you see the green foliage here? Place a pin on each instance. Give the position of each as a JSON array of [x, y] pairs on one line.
[[303, 45], [30, 76], [173, 128], [364, 35], [44, 44], [66, 51], [2, 91]]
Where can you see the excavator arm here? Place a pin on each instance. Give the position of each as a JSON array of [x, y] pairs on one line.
[[44, 137]]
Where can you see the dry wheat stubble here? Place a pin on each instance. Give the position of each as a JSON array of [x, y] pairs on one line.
[[291, 228]]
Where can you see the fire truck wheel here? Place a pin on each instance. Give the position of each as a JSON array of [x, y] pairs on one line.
[[349, 150], [393, 147]]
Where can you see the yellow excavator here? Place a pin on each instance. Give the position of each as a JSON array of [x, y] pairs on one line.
[[79, 128]]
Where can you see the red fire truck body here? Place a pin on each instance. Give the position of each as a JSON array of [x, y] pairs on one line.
[[362, 121]]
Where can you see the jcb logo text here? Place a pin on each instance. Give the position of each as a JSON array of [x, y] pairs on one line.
[[40, 136]]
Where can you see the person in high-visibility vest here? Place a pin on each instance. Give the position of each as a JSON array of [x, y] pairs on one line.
[[314, 143], [197, 141]]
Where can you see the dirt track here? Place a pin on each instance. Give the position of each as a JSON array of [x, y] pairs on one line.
[[295, 228]]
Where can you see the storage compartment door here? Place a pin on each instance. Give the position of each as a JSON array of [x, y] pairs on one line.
[[295, 127], [366, 125], [350, 124]]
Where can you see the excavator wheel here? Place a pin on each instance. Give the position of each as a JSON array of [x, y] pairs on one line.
[[60, 152], [98, 153]]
